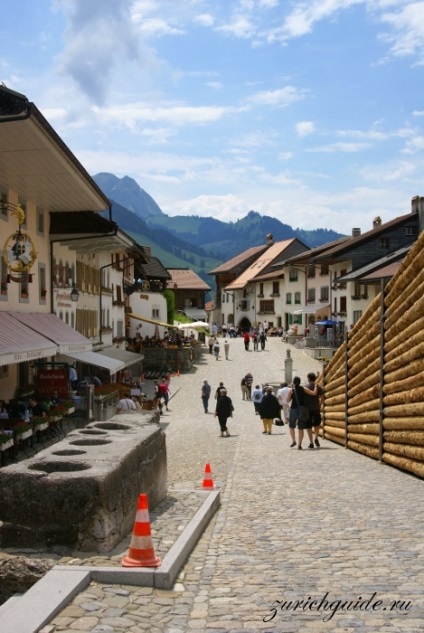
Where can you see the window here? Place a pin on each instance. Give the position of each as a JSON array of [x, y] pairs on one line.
[[3, 206], [324, 269], [297, 298], [24, 291], [266, 306], [120, 328], [384, 243], [261, 290], [155, 313], [293, 274], [324, 293], [310, 271], [311, 295], [289, 298], [276, 288], [42, 287], [40, 222], [342, 304], [409, 230], [357, 315]]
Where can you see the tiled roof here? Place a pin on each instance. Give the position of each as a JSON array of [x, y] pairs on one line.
[[184, 278], [385, 271], [239, 259], [259, 265], [354, 241], [153, 268]]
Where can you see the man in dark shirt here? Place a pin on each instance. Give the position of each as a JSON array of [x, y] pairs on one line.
[[313, 403]]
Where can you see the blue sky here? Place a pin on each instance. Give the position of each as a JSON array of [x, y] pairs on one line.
[[311, 112]]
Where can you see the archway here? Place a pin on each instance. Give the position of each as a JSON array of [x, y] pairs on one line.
[[245, 324]]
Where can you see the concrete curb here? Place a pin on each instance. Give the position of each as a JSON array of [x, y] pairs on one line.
[[37, 607]]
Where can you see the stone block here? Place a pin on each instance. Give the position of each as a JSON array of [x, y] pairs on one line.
[[82, 492]]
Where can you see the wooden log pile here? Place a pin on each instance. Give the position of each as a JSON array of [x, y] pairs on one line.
[[334, 427], [374, 385], [403, 389]]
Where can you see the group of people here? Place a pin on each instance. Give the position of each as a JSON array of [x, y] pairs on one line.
[[296, 405], [223, 408], [215, 348]]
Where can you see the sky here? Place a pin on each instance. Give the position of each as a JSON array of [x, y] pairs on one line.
[[311, 112]]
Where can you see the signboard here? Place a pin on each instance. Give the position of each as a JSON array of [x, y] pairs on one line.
[[50, 380]]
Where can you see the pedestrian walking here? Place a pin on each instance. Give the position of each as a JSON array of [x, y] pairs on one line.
[[205, 394], [226, 349], [246, 339], [257, 395], [297, 399], [262, 340], [249, 382], [218, 390], [244, 389], [163, 390], [224, 410], [282, 394], [269, 410], [216, 349], [211, 341], [313, 403]]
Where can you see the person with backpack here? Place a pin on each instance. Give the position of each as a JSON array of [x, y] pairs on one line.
[[257, 395]]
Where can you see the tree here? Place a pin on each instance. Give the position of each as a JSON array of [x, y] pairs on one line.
[[170, 305]]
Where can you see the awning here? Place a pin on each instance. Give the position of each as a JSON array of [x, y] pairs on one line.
[[111, 358], [311, 309], [198, 314], [19, 343], [128, 358], [51, 327], [140, 318]]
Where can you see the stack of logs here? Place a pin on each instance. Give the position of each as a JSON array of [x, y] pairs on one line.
[[374, 385]]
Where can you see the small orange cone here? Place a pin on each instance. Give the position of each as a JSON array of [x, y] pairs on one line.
[[141, 552], [178, 373], [207, 479]]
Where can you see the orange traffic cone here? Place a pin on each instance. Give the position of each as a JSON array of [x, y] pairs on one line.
[[141, 552], [207, 479], [178, 373]]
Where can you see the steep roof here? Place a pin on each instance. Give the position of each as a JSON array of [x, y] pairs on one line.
[[184, 278], [260, 264], [37, 164], [233, 263]]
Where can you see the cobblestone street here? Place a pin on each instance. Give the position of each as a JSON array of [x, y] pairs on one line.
[[321, 525]]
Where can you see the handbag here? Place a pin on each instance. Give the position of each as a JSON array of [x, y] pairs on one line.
[[303, 415]]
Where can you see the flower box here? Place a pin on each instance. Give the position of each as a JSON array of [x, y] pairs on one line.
[[54, 418], [4, 446], [25, 435]]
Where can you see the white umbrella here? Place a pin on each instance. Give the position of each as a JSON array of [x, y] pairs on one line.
[[193, 326]]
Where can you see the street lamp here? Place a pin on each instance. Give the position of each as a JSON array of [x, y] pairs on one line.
[[74, 293]]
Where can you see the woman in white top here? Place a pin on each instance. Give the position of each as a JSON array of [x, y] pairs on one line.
[[125, 405]]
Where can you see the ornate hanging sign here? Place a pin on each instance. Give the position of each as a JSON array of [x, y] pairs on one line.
[[19, 252]]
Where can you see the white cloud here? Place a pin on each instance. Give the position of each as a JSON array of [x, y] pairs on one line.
[[204, 19], [339, 147], [280, 97], [305, 128]]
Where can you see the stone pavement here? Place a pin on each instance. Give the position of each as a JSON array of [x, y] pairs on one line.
[[317, 526]]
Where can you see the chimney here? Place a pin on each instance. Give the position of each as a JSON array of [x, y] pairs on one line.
[[269, 239], [356, 232], [147, 250], [376, 222], [417, 206]]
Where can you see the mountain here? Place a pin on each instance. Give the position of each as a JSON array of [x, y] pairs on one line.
[[192, 236], [128, 193]]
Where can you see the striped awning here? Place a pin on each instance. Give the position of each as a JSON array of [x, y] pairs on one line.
[[19, 343], [51, 327]]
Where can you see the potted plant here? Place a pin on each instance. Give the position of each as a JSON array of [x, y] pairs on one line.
[[6, 441], [43, 293], [22, 430], [39, 423], [69, 406]]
